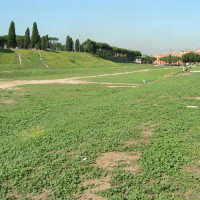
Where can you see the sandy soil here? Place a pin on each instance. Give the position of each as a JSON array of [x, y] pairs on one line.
[[41, 59], [10, 84], [76, 80], [19, 57]]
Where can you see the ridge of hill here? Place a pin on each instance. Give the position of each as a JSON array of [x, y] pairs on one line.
[[52, 59]]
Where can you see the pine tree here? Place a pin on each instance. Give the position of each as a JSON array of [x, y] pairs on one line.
[[77, 45], [35, 38], [27, 39], [12, 36], [43, 43], [89, 46]]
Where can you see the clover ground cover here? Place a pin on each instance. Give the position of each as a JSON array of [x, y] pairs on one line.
[[52, 135]]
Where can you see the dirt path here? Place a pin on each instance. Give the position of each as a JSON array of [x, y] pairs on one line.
[[195, 71], [42, 60], [76, 80], [19, 57]]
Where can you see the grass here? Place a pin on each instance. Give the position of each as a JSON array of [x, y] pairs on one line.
[[48, 132], [8, 57], [138, 77], [30, 58], [61, 64], [72, 59]]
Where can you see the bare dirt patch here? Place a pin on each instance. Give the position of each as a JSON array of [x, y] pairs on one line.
[[95, 185], [194, 107], [19, 57], [111, 159], [197, 98], [108, 161], [41, 59], [11, 84], [8, 101], [76, 80], [191, 195], [130, 143], [147, 133], [41, 196], [121, 86], [132, 169], [147, 129], [184, 74], [193, 168], [195, 71]]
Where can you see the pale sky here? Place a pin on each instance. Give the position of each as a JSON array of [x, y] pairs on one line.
[[150, 26]]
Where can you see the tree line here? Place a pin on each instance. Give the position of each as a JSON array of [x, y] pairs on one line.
[[104, 50], [191, 57], [171, 59], [186, 58], [35, 41], [26, 41], [148, 59]]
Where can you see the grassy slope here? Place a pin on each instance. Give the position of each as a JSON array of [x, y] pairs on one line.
[[61, 65], [30, 58], [45, 135], [73, 59], [8, 57]]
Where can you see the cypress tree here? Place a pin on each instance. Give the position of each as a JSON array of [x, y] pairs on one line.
[[71, 44], [77, 45], [46, 42], [27, 39], [12, 36], [67, 46], [38, 44], [35, 38], [43, 46]]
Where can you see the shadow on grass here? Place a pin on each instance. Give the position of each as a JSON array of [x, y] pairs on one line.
[[6, 51], [52, 51]]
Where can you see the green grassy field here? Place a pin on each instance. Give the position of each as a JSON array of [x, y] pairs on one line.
[[82, 141], [33, 68]]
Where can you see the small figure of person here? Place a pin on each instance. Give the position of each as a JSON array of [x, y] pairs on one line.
[[184, 68]]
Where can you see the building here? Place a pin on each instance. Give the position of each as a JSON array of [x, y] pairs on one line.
[[197, 51], [175, 54], [137, 60]]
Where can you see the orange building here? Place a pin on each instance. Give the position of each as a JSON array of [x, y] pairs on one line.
[[176, 54]]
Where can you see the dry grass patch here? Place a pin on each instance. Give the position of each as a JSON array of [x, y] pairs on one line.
[[193, 168], [147, 129], [110, 160], [42, 196], [195, 71], [131, 84], [8, 101], [121, 86], [132, 169], [94, 186]]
